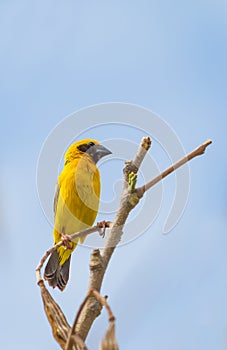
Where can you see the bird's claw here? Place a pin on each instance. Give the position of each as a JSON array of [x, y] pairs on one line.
[[102, 225], [66, 241]]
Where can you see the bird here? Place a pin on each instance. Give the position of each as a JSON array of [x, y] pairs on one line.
[[76, 203]]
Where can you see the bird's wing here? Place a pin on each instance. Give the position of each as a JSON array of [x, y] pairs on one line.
[[57, 189]]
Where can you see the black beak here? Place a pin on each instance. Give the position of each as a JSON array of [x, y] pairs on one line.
[[97, 152]]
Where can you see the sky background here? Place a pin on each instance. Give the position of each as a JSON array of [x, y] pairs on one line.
[[166, 291]]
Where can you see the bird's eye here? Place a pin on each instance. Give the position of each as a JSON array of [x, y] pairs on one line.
[[91, 144]]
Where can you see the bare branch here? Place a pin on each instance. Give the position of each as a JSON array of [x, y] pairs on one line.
[[132, 166], [142, 151], [110, 335], [93, 308], [93, 303], [128, 200], [84, 233], [72, 332], [43, 259], [109, 341], [103, 301], [197, 152]]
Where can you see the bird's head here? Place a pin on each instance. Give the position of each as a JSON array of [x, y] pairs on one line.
[[91, 147]]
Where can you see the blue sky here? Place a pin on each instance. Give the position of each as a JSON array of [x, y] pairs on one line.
[[167, 291]]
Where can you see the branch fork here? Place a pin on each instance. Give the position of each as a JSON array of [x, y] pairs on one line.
[[73, 338]]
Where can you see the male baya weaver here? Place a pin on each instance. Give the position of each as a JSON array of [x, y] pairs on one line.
[[76, 204]]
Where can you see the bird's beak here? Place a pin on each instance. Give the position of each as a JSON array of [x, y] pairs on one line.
[[97, 152], [101, 150]]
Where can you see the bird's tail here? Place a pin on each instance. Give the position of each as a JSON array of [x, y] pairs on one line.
[[56, 275]]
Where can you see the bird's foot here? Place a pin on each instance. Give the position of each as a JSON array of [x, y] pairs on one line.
[[66, 241], [102, 225]]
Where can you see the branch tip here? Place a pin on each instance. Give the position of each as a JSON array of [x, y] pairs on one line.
[[146, 142], [197, 152], [206, 144]]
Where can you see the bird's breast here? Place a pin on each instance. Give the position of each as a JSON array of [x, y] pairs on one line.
[[79, 195]]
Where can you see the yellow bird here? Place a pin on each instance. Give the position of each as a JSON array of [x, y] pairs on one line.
[[76, 204]]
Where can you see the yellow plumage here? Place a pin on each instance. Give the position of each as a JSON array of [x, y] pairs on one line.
[[76, 203]]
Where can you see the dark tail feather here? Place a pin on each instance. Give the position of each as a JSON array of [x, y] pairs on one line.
[[56, 275]]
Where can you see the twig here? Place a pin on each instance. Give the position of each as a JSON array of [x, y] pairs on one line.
[[69, 343], [96, 228], [102, 301], [142, 151], [197, 152], [43, 259]]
